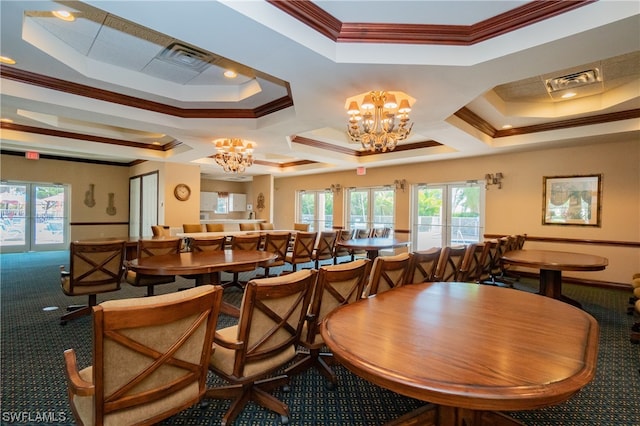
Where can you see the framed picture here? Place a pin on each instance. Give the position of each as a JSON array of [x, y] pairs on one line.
[[572, 200]]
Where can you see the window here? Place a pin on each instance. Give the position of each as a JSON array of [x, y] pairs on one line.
[[369, 208], [316, 209], [446, 215]]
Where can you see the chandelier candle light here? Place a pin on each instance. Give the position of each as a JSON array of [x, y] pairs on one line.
[[373, 123], [234, 155]]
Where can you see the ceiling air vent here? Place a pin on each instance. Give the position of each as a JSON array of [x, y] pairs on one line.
[[572, 81], [185, 56]]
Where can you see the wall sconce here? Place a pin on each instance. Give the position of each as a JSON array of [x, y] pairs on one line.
[[493, 179], [400, 184], [335, 188]]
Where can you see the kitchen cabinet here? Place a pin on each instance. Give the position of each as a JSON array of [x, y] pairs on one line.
[[237, 202], [208, 201]]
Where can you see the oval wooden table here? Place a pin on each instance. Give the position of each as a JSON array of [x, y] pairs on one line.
[[551, 264], [205, 266], [371, 245], [472, 349]]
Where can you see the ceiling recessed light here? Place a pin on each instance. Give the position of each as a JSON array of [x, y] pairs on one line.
[[7, 60], [155, 143], [6, 120], [568, 95], [65, 15], [230, 74], [507, 126]]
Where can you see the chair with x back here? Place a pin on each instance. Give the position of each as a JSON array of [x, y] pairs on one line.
[[303, 246], [450, 263], [277, 243], [473, 262], [423, 264], [94, 268], [387, 272], [272, 313], [337, 285], [150, 358], [339, 251], [324, 247], [147, 248], [242, 242]]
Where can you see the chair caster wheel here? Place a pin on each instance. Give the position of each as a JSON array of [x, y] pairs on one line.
[[284, 420], [330, 386], [63, 322], [286, 388]]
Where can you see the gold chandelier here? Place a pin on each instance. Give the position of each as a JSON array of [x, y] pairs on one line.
[[373, 123], [234, 155]]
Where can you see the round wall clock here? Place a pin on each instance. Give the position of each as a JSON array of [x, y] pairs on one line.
[[182, 192]]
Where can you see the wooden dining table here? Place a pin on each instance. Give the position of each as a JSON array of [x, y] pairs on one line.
[[204, 266], [372, 245], [469, 350], [551, 264]]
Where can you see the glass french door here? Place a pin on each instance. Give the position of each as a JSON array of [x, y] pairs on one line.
[[316, 209], [143, 204], [447, 215], [33, 216], [369, 208]]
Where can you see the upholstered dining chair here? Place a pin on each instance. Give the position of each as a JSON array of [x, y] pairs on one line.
[[387, 272], [272, 313], [302, 251], [450, 263], [490, 251], [94, 268], [214, 227], [160, 231], [242, 242], [423, 264], [150, 358], [337, 285], [264, 226], [339, 251], [473, 262], [278, 243], [147, 248], [192, 227], [324, 247], [248, 226], [198, 244], [304, 227]]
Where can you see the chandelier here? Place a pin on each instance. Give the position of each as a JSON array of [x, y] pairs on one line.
[[234, 155], [373, 123]]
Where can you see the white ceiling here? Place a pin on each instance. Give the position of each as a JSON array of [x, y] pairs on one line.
[[301, 78]]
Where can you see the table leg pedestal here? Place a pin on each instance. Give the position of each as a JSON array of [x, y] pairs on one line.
[[551, 286], [442, 415]]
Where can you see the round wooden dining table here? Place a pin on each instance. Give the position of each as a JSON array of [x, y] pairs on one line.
[[551, 264], [371, 245], [204, 266], [470, 350]]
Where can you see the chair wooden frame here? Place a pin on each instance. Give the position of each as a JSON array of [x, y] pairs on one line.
[[94, 267], [337, 285], [207, 243], [271, 319], [242, 242], [450, 263], [423, 265], [302, 252], [339, 251], [214, 227], [192, 227], [278, 243], [147, 248], [387, 272], [324, 248], [167, 341], [473, 262]]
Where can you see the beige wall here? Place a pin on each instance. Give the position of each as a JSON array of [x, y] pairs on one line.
[[263, 185], [517, 207]]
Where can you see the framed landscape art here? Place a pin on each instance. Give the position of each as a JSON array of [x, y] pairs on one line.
[[572, 200]]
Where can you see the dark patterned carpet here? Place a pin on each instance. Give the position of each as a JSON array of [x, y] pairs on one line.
[[33, 388]]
